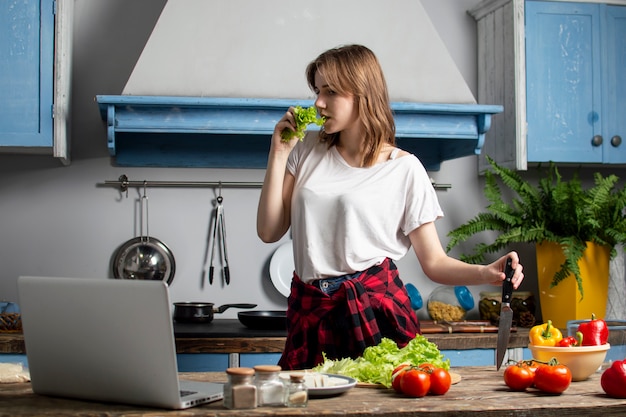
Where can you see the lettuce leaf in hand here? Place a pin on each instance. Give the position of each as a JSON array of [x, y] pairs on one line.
[[303, 118], [377, 362]]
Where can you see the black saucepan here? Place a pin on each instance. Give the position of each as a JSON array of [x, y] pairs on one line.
[[200, 312], [263, 320]]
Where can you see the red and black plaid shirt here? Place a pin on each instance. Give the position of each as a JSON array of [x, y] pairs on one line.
[[342, 325]]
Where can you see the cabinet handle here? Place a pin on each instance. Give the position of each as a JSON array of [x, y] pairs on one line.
[[616, 140], [596, 140]]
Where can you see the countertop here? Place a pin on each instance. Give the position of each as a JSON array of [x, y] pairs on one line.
[[230, 336], [481, 392]]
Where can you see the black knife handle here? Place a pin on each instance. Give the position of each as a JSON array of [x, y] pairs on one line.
[[507, 285]]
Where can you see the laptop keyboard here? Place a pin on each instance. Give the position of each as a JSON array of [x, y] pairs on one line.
[[184, 393]]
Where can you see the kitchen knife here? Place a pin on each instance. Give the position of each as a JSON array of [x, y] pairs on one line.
[[506, 314]]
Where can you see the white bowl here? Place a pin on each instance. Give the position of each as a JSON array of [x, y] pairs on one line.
[[582, 361]]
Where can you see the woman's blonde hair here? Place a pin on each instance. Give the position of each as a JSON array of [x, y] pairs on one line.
[[355, 70]]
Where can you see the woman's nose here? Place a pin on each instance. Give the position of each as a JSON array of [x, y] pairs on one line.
[[319, 103]]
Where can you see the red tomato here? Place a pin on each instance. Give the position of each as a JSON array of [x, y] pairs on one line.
[[427, 367], [415, 383], [396, 376], [519, 376], [553, 379], [440, 381]]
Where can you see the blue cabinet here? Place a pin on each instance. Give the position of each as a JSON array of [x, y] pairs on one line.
[[576, 82], [35, 44], [559, 70]]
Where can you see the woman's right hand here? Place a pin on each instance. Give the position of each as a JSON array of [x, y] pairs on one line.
[[287, 122], [274, 212]]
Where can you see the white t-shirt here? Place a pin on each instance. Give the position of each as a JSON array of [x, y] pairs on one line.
[[346, 219]]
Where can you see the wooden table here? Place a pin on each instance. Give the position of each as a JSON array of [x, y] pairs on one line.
[[481, 392]]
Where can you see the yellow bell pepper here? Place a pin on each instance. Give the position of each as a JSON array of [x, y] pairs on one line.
[[545, 335]]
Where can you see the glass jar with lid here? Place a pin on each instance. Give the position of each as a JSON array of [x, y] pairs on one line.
[[522, 304], [270, 388], [450, 303], [239, 390], [297, 391]]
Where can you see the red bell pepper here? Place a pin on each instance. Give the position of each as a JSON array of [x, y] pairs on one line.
[[570, 341], [613, 380], [595, 332]]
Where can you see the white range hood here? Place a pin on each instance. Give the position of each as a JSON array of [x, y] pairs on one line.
[[215, 76]]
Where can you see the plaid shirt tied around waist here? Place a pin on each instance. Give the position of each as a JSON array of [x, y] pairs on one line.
[[359, 314]]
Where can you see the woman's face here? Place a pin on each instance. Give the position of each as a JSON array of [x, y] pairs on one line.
[[339, 110]]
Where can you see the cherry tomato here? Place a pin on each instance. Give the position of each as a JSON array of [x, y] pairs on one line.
[[415, 383], [553, 379], [519, 376], [440, 381], [396, 376]]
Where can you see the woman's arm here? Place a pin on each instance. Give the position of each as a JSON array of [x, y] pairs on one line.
[[274, 211], [443, 269]]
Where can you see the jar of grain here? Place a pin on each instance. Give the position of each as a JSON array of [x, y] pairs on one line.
[[270, 388], [240, 391], [448, 303]]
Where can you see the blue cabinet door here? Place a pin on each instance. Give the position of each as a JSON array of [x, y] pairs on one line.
[[575, 82], [562, 84], [615, 93], [26, 73]]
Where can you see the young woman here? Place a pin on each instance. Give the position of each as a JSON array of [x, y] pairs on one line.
[[354, 203]]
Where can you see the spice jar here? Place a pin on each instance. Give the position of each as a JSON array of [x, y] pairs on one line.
[[297, 392], [448, 303], [240, 391], [270, 388]]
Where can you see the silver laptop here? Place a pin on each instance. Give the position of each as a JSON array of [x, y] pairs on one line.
[[105, 340]]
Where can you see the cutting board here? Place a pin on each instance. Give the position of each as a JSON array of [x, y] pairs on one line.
[[467, 326]]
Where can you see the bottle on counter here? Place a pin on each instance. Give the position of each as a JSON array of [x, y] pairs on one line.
[[269, 386], [240, 391], [297, 392]]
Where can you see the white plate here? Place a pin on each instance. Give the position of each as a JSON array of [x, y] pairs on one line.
[[340, 384], [282, 267]]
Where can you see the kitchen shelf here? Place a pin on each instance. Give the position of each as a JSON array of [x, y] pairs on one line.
[[217, 132]]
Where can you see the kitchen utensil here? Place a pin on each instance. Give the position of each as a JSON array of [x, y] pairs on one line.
[[263, 320], [506, 314], [201, 312], [219, 238], [144, 257]]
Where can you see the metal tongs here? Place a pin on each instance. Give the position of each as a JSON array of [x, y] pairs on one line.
[[219, 236]]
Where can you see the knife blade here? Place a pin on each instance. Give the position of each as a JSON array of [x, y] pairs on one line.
[[506, 314]]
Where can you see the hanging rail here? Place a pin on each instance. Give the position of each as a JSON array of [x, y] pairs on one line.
[[124, 184]]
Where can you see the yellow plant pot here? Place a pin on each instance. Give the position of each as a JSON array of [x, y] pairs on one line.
[[563, 302]]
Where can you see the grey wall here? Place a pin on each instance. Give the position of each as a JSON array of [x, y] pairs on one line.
[[57, 220]]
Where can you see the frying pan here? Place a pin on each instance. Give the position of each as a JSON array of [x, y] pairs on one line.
[[264, 320], [144, 257], [200, 312]]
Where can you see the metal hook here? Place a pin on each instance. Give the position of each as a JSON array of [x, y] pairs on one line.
[[219, 192]]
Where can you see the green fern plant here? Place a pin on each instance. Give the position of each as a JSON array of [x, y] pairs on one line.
[[553, 211]]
